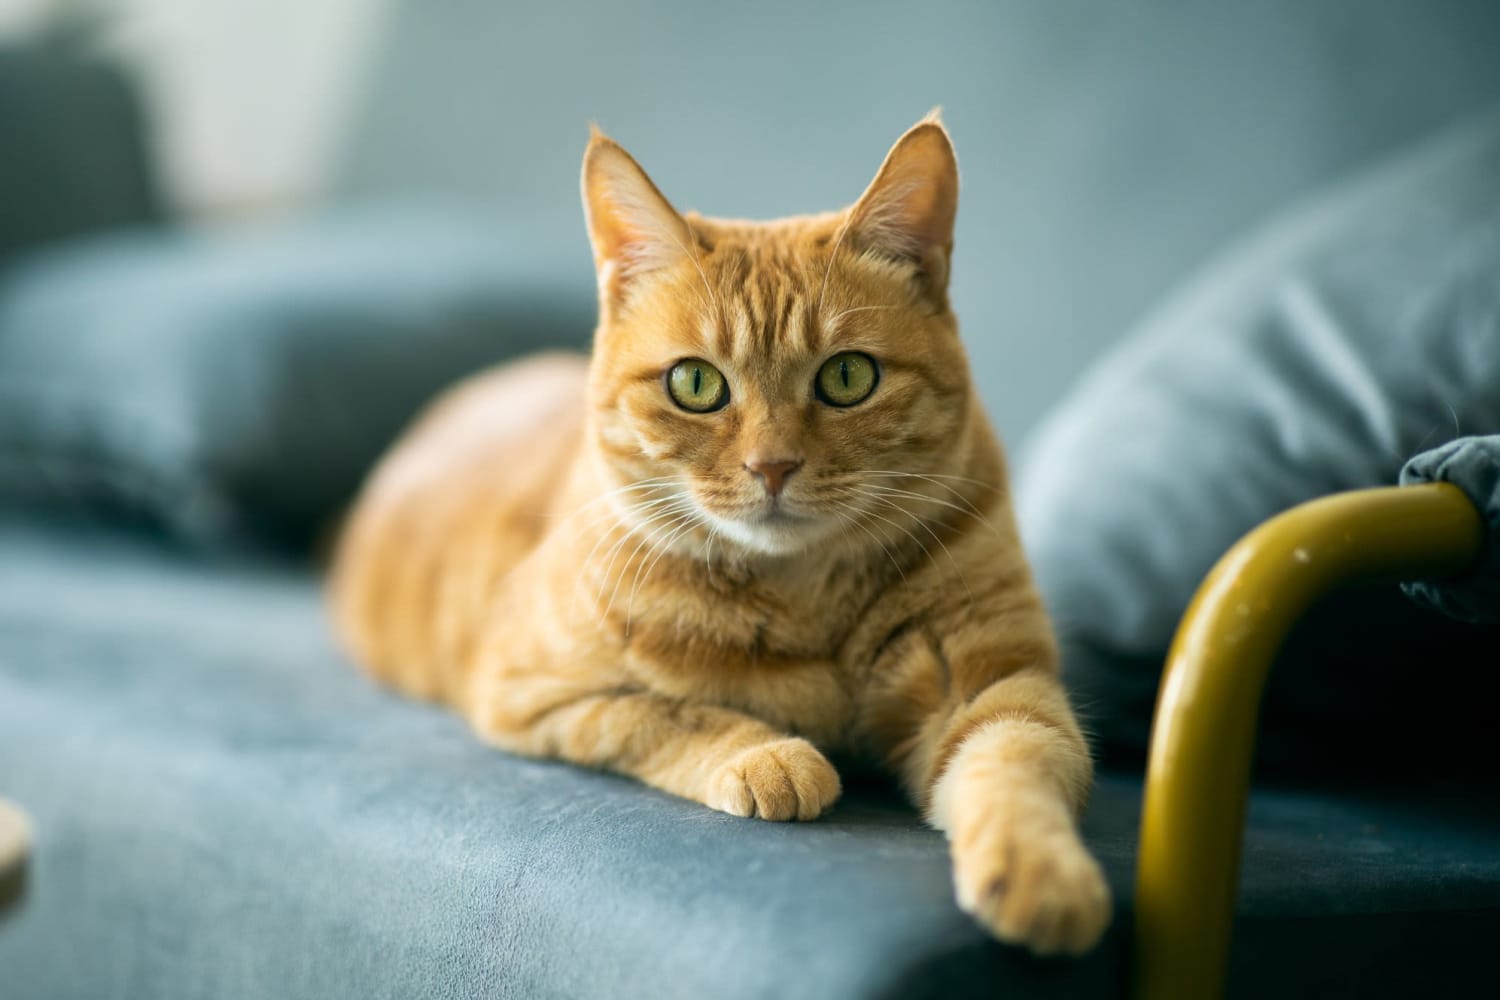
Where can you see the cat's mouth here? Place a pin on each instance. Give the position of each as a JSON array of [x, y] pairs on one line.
[[772, 514], [772, 526], [776, 515]]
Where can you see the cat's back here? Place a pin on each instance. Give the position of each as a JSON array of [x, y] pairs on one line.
[[465, 493]]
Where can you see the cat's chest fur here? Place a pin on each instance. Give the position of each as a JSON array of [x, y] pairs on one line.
[[772, 644]]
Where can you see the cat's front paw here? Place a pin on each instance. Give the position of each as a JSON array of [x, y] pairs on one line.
[[787, 779], [1043, 891]]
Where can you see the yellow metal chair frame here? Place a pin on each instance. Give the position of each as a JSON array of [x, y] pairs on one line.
[[1203, 736]]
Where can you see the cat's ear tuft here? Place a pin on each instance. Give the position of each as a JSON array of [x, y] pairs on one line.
[[907, 212], [633, 228]]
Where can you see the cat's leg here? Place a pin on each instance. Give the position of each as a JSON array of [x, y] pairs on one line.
[[1003, 769], [1010, 774], [719, 757]]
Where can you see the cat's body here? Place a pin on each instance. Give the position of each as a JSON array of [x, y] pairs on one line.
[[702, 561]]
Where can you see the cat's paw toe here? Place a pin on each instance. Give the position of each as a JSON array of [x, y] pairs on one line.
[[788, 779], [1047, 894]]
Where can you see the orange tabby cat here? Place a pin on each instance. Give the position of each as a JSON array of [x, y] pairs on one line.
[[767, 520]]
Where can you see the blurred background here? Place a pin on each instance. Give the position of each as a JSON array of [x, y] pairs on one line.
[[1106, 149]]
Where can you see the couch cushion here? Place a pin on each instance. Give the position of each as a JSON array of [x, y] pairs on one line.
[[225, 808], [75, 157], [226, 384], [1346, 337]]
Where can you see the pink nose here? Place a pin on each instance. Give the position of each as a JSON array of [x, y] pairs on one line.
[[773, 472]]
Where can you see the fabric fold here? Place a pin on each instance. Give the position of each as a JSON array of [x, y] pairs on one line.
[[1473, 465]]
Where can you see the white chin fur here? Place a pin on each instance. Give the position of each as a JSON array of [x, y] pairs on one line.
[[772, 539]]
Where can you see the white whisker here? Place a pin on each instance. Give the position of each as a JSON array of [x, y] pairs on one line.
[[930, 476], [876, 538], [928, 528], [625, 535], [643, 484], [623, 515], [664, 546], [854, 309], [644, 529], [657, 533], [970, 511], [833, 256]]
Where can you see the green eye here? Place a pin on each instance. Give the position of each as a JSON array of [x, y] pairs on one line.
[[846, 379], [697, 386]]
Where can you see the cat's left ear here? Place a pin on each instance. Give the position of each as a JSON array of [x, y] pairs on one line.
[[633, 228], [907, 212]]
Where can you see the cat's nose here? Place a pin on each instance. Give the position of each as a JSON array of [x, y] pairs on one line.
[[774, 472]]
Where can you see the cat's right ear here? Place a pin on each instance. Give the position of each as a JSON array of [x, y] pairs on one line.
[[633, 228]]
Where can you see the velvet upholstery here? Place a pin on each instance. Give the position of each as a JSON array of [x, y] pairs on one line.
[[225, 807], [1353, 332], [1472, 464]]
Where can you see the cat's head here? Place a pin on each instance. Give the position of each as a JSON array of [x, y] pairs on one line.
[[782, 383]]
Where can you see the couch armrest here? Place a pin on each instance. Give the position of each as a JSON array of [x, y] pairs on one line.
[[1203, 735]]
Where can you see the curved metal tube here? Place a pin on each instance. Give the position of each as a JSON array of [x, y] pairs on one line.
[[1203, 735]]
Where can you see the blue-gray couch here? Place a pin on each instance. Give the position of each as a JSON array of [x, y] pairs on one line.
[[224, 808]]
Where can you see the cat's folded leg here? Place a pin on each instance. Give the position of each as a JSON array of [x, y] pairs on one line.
[[1011, 771], [719, 757]]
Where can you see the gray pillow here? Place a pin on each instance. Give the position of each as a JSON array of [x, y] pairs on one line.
[[1358, 330], [74, 155], [1473, 465], [224, 386]]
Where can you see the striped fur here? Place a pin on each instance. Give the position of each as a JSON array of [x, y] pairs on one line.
[[587, 571]]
